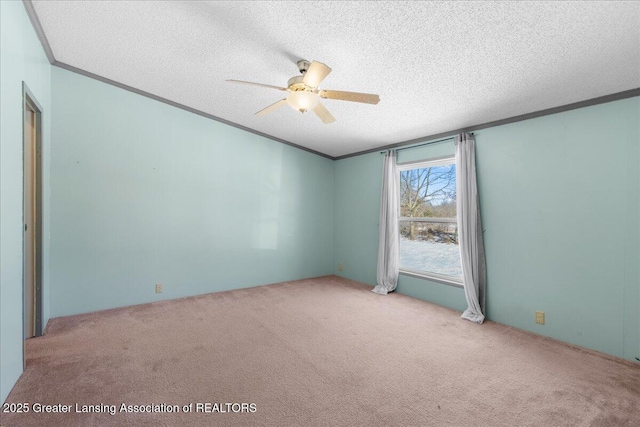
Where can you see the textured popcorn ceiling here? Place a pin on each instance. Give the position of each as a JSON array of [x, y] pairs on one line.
[[436, 66]]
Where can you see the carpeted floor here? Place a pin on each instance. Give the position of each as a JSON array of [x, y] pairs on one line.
[[318, 352]]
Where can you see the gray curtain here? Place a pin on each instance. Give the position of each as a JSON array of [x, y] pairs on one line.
[[470, 229], [388, 248]]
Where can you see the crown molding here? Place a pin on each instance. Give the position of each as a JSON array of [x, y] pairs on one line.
[[555, 110]]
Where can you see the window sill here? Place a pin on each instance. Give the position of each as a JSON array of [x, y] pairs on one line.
[[432, 277]]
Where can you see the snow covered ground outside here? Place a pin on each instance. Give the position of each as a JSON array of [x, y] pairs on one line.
[[441, 258]]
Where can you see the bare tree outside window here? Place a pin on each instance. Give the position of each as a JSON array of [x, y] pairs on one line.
[[427, 193], [421, 189]]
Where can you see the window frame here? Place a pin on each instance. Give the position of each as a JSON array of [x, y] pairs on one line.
[[432, 277]]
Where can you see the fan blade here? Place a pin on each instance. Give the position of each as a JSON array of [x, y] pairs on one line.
[[324, 114], [271, 107], [258, 84], [315, 74], [367, 98]]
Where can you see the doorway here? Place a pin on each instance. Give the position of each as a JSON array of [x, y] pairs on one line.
[[32, 215]]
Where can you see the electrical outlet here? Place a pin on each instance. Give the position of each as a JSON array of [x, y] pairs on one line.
[[158, 288], [540, 317], [340, 267]]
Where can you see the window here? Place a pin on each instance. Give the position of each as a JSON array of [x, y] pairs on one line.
[[428, 225]]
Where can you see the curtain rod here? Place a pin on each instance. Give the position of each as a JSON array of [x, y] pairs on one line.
[[423, 144]]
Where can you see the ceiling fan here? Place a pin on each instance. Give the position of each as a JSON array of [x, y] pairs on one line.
[[304, 94]]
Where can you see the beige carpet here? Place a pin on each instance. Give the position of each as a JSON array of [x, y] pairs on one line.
[[319, 352]]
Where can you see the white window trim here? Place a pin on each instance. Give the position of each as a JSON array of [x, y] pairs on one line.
[[439, 161], [428, 219], [432, 277]]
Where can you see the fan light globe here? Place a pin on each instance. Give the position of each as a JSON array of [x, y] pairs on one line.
[[303, 101]]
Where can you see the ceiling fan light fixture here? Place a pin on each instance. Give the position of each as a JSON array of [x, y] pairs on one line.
[[303, 101], [304, 94]]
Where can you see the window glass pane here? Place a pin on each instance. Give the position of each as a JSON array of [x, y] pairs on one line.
[[429, 246], [433, 249], [428, 192]]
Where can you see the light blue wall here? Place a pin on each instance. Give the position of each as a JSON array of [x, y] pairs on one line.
[[357, 205], [144, 193], [22, 59], [560, 203]]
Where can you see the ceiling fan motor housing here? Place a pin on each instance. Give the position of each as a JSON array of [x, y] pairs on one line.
[[295, 80], [303, 65]]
